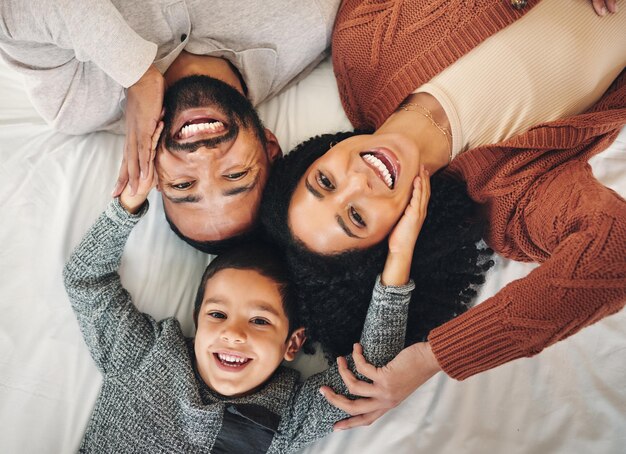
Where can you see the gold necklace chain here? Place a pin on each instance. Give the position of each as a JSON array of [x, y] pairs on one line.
[[428, 114]]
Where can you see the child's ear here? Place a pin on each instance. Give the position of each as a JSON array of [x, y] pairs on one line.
[[294, 344]]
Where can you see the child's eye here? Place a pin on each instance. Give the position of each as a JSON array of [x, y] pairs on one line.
[[260, 321], [216, 315]]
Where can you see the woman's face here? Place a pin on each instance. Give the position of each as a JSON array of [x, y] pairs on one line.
[[352, 196]]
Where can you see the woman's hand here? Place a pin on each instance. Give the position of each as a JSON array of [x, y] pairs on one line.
[[602, 7], [404, 235], [144, 106], [390, 385], [131, 199]]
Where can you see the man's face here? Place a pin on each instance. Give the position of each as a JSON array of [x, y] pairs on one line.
[[242, 332], [212, 161]]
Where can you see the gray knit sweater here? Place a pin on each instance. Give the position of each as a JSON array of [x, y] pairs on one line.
[[153, 400]]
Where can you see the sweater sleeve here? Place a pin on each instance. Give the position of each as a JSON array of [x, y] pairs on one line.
[[117, 334], [383, 338], [74, 56], [571, 223]]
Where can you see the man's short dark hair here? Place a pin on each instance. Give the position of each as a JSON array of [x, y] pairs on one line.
[[265, 260]]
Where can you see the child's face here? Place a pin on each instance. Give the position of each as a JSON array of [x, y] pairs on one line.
[[241, 335]]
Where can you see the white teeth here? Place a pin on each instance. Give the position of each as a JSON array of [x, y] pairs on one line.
[[374, 161], [189, 130], [231, 359]]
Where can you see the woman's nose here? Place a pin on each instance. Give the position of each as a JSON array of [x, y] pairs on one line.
[[355, 184]]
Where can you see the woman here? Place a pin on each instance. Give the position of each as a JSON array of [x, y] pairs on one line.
[[399, 71]]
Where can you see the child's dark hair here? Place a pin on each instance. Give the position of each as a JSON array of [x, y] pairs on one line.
[[334, 290], [266, 260]]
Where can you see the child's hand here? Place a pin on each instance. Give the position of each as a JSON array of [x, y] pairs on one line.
[[132, 203], [404, 235]]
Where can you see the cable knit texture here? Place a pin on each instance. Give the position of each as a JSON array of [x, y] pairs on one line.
[[537, 192], [382, 51]]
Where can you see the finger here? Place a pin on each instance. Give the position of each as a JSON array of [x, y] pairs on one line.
[[612, 5], [600, 7], [122, 179], [360, 363], [358, 421], [145, 150], [352, 407], [156, 136], [131, 161], [425, 196], [355, 386]]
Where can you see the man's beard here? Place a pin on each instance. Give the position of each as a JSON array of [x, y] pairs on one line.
[[203, 91]]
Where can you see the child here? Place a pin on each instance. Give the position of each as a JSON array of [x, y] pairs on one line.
[[224, 390]]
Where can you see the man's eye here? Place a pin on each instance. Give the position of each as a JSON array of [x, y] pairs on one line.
[[219, 315], [356, 218], [260, 321], [182, 186], [324, 182], [236, 175]]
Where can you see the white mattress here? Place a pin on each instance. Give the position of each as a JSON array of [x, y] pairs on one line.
[[571, 398]]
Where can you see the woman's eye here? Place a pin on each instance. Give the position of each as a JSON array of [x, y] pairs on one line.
[[182, 186], [356, 218], [260, 321], [219, 315], [236, 175], [324, 182]]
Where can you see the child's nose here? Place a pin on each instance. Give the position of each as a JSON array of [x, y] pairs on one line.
[[234, 332]]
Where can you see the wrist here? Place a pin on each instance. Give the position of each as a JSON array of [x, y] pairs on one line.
[[397, 268], [131, 207], [426, 357]]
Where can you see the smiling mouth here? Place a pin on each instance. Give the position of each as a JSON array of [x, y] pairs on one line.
[[232, 361], [382, 166], [204, 126]]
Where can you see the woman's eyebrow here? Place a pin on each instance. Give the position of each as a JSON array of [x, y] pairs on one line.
[[345, 228], [312, 190]]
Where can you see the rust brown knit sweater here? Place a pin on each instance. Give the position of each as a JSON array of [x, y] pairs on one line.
[[540, 198]]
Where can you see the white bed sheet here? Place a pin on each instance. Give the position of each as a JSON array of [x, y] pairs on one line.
[[571, 398]]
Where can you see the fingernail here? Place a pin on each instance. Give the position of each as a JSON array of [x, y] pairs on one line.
[[322, 393], [143, 175], [603, 11]]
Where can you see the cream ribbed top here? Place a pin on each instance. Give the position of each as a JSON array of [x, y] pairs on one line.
[[554, 62]]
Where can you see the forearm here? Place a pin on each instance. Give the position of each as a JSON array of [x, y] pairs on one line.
[[385, 324], [104, 310], [581, 225], [99, 33]]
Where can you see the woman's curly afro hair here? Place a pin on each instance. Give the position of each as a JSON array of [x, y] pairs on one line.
[[335, 290]]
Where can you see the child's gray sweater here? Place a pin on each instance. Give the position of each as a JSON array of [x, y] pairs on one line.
[[153, 400]]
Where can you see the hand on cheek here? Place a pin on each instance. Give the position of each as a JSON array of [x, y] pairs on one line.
[[132, 203]]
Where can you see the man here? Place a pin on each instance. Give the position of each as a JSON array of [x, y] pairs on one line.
[[86, 63]]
